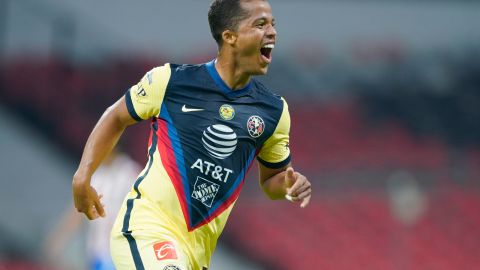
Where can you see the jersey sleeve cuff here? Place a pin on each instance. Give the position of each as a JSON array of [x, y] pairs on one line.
[[130, 108], [276, 165]]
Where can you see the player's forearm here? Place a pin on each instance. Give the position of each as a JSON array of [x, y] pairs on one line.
[[275, 187], [100, 143]]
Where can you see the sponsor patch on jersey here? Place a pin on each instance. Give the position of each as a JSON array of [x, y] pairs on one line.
[[205, 191], [172, 267], [165, 251], [226, 112], [255, 126], [149, 77], [219, 140], [141, 92], [217, 172]]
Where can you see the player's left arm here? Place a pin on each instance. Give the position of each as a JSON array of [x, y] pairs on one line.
[[277, 177], [285, 183]]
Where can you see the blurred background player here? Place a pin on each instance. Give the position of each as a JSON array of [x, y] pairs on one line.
[[113, 179]]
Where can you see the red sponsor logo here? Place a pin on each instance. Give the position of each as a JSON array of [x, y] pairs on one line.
[[165, 251]]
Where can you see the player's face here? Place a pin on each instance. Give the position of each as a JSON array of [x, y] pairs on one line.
[[256, 36]]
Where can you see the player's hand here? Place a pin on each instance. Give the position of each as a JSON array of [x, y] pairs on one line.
[[87, 200], [300, 189]]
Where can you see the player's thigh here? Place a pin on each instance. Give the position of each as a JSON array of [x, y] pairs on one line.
[[134, 251]]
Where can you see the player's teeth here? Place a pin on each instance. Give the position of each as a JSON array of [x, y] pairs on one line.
[[269, 46]]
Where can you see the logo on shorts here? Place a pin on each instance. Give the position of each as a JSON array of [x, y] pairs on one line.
[[171, 267], [165, 251], [205, 191], [226, 112], [255, 126]]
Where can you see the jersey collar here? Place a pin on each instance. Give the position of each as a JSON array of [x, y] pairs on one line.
[[222, 85]]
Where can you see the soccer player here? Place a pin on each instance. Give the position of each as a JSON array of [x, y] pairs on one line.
[[208, 123]]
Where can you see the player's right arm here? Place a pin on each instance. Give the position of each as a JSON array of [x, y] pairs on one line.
[[141, 102], [100, 143]]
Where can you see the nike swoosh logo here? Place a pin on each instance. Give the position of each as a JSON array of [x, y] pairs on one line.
[[185, 109]]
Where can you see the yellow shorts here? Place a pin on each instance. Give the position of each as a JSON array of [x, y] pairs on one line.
[[141, 251]]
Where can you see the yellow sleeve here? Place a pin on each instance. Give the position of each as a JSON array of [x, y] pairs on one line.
[[275, 152], [145, 98]]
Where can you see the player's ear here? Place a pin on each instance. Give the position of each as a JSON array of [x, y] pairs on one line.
[[229, 37]]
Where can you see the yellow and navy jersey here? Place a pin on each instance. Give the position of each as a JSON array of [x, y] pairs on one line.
[[204, 137]]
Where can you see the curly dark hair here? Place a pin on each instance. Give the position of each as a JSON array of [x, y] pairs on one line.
[[225, 15]]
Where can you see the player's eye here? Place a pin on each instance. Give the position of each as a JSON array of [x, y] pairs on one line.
[[260, 24]]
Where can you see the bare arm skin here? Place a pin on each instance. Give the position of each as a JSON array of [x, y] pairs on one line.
[[277, 183], [100, 143]]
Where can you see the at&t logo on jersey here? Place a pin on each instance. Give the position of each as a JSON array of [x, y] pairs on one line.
[[209, 169], [165, 251], [255, 126], [219, 140]]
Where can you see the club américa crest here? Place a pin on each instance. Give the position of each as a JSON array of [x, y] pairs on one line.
[[255, 126]]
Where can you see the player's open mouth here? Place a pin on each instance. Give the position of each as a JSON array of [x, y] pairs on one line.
[[266, 52]]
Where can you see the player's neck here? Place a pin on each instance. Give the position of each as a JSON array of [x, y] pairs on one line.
[[231, 73]]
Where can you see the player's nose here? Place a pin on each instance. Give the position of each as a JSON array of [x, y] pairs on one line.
[[271, 32]]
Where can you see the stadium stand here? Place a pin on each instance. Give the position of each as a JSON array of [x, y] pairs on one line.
[[360, 232], [343, 144]]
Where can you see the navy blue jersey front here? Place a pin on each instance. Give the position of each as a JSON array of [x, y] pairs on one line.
[[204, 137]]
